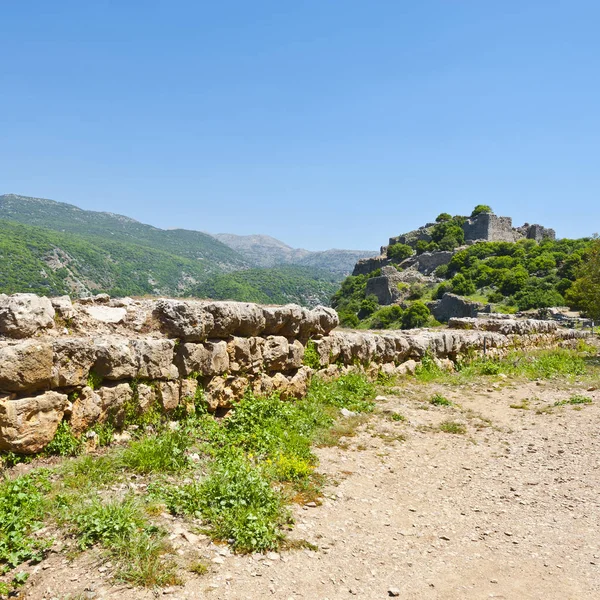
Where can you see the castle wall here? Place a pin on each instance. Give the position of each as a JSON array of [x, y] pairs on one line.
[[95, 360]]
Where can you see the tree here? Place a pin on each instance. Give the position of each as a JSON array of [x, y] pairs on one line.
[[462, 286], [443, 217], [416, 315], [398, 252], [481, 208], [585, 291]]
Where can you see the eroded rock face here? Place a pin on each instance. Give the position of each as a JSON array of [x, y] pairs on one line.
[[188, 321], [24, 315], [112, 401], [281, 355], [26, 366], [86, 410], [505, 326], [27, 425], [73, 359]]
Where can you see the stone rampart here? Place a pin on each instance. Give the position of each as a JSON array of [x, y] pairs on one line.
[[94, 360]]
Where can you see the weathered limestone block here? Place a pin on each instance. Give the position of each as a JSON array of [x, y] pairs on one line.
[[24, 315], [245, 354], [73, 359], [281, 355], [112, 400], [115, 358], [63, 306], [262, 385], [317, 322], [168, 393], [29, 424], [187, 393], [106, 314], [283, 320], [452, 305], [154, 358], [86, 410], [235, 318], [186, 320], [505, 326], [26, 366], [146, 396], [209, 358], [298, 383], [222, 392]]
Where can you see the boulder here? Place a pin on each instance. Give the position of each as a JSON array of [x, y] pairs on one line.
[[235, 318], [245, 354], [63, 306], [281, 355], [113, 399], [27, 425], [452, 305], [26, 366], [73, 359], [24, 315], [106, 314], [186, 320], [115, 358], [146, 396], [85, 411], [154, 358], [210, 358], [168, 393]]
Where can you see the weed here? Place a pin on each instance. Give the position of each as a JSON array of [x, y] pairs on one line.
[[439, 400], [394, 416], [64, 442], [199, 567], [524, 405], [94, 380], [453, 427], [22, 507], [106, 432], [89, 472], [576, 399], [161, 453], [311, 356]]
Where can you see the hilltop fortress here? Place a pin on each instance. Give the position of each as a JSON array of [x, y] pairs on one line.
[[484, 227]]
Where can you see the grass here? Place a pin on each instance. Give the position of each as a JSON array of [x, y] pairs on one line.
[[574, 400], [164, 452], [439, 400], [523, 405], [453, 427]]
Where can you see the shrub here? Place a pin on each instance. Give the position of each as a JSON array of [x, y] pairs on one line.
[[439, 400], [311, 356], [481, 208], [399, 252], [64, 442], [416, 315], [164, 452], [463, 286]]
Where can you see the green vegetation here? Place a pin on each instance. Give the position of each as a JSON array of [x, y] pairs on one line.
[[245, 471], [584, 294], [574, 400], [439, 400], [453, 427], [276, 285], [52, 248], [398, 252]]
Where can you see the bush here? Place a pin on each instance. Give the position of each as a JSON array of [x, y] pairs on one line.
[[399, 252], [416, 315], [462, 286], [481, 208]]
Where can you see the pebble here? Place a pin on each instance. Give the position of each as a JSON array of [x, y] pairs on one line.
[[393, 592]]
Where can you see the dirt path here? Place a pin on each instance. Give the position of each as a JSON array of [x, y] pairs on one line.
[[510, 509]]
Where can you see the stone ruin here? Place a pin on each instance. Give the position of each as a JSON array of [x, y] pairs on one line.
[[86, 362], [488, 227]]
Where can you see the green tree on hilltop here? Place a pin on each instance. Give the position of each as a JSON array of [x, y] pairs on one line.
[[585, 291]]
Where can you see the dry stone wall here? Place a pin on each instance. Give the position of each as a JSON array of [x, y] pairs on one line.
[[94, 360]]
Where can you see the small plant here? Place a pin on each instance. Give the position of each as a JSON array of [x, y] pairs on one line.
[[311, 356], [94, 380], [199, 567], [396, 417], [439, 400], [64, 442], [574, 400], [524, 405], [162, 453], [453, 427]]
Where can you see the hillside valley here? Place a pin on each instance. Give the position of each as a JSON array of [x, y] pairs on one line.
[[51, 247]]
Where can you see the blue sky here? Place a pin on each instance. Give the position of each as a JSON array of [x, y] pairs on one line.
[[323, 123]]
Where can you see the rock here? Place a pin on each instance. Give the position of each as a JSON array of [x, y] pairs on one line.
[[154, 358], [146, 396], [115, 358], [63, 306], [281, 355], [394, 592], [86, 410], [26, 366], [209, 358], [27, 425], [106, 314], [235, 318], [113, 398], [347, 413], [168, 393], [245, 354], [187, 393], [186, 320], [73, 359], [452, 305], [24, 315]]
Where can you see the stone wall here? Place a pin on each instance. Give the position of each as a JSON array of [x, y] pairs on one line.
[[92, 361]]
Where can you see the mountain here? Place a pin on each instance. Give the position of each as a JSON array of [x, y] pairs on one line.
[[53, 248], [266, 251], [68, 218]]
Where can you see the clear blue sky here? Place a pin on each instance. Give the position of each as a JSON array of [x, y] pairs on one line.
[[323, 123]]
